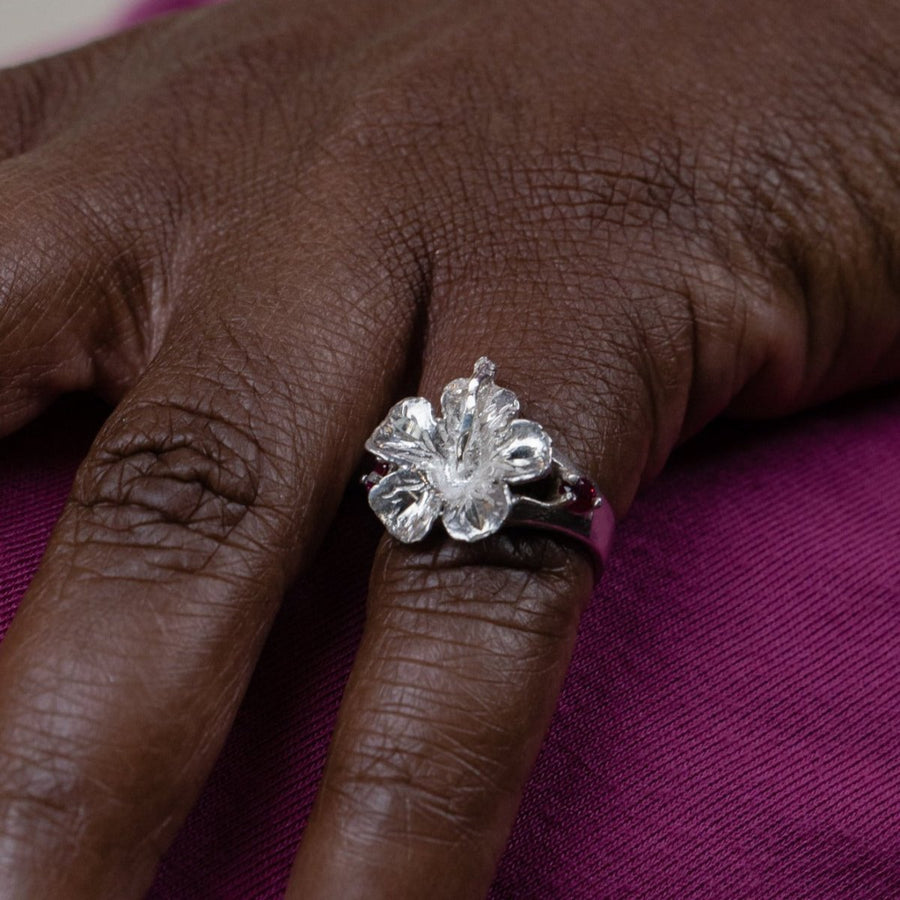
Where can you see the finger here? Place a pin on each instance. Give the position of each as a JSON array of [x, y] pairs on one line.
[[207, 488], [74, 292], [463, 656], [466, 645], [80, 286]]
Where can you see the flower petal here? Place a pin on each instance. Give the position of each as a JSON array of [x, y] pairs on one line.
[[475, 516], [407, 434], [406, 503], [524, 452], [495, 406], [453, 401]]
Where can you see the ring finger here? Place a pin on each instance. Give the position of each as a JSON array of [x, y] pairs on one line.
[[466, 645]]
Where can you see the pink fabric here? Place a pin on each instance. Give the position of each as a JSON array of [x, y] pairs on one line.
[[730, 725], [146, 9]]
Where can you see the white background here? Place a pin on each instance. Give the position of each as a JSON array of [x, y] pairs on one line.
[[35, 27]]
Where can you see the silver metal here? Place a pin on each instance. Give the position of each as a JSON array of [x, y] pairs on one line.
[[593, 527], [479, 468]]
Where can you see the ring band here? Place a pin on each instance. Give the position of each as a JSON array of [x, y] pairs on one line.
[[479, 468]]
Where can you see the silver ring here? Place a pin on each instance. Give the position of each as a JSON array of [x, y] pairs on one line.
[[478, 468]]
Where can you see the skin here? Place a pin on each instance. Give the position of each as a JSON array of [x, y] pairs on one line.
[[253, 227]]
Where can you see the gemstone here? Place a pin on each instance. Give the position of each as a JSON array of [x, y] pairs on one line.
[[379, 470], [583, 496]]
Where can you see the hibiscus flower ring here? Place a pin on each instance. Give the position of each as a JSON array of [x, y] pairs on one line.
[[467, 468]]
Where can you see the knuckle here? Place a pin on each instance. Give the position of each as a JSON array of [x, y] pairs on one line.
[[163, 470], [29, 824], [29, 815], [438, 780], [42, 794], [398, 109], [55, 800], [599, 190], [410, 135]]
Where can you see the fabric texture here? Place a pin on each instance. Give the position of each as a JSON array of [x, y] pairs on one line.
[[730, 724]]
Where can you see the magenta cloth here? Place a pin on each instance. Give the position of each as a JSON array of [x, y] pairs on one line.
[[730, 725], [147, 9]]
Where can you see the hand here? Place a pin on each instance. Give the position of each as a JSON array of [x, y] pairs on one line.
[[253, 227]]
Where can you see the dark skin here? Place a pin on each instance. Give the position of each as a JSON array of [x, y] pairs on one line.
[[253, 227]]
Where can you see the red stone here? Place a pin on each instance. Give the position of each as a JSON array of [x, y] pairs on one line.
[[379, 470], [583, 496]]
